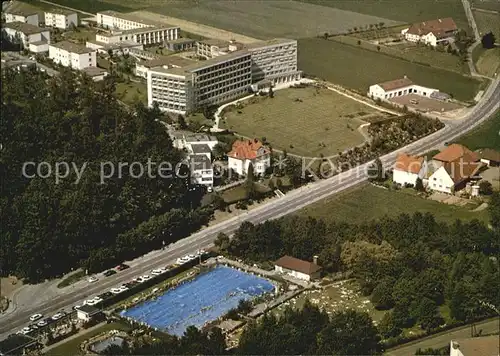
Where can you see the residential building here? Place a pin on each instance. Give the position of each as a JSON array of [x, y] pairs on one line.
[[72, 55], [434, 32], [274, 60], [297, 268], [39, 47], [476, 346], [117, 49], [490, 157], [61, 18], [142, 67], [211, 82], [142, 35], [201, 170], [398, 87], [195, 149], [454, 176], [408, 169], [25, 33], [180, 44], [452, 153], [246, 152], [122, 21], [183, 139], [18, 11]]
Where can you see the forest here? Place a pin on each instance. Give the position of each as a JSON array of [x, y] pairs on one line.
[[50, 227], [408, 265]]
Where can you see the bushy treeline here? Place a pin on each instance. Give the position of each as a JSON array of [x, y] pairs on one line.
[[410, 265], [49, 227]]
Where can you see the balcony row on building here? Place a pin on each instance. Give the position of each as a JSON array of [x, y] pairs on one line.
[[227, 73]]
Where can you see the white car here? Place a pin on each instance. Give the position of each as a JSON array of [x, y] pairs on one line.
[[35, 317], [191, 257], [144, 278], [156, 272], [57, 316], [97, 299], [93, 279], [41, 323], [26, 330], [116, 290], [180, 261], [123, 288], [90, 302]]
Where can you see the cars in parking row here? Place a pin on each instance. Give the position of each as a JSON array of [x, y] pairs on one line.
[[109, 272], [188, 258], [41, 322]]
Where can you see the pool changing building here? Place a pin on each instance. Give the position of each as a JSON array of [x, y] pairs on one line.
[[227, 74]]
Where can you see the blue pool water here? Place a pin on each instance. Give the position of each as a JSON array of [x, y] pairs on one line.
[[202, 299]]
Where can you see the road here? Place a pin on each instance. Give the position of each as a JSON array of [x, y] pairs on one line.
[[291, 202], [442, 339]]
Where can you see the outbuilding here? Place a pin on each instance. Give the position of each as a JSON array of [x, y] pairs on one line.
[[297, 268], [87, 312]]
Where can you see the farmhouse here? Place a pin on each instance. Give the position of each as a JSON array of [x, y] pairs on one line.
[[399, 87], [299, 269], [477, 346], [432, 33], [69, 54], [246, 152], [455, 167], [490, 157], [61, 18], [25, 34], [210, 82], [408, 169], [21, 12]]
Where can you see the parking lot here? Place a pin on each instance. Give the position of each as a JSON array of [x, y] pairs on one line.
[[425, 104]]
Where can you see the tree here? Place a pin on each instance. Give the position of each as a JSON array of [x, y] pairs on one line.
[[388, 327], [488, 40], [271, 92], [378, 48], [485, 188], [325, 35], [428, 315], [382, 294], [419, 185], [222, 241], [181, 121], [494, 210], [359, 42]]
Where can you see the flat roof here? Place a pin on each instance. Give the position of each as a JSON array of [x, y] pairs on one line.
[[39, 43], [21, 8], [72, 47], [271, 42], [199, 162], [94, 71], [214, 42], [25, 28], [167, 60], [59, 10], [88, 309], [182, 40], [200, 148]]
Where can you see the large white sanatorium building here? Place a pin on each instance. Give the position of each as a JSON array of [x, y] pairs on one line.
[[226, 75]]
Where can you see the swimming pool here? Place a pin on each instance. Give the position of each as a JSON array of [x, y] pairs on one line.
[[205, 298]]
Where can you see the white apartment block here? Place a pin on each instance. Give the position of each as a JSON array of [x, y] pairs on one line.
[[116, 20], [210, 82], [72, 55], [145, 36], [275, 61], [61, 18], [21, 12], [25, 34]]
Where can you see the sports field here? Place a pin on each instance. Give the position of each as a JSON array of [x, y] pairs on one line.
[[487, 22], [307, 122], [402, 10], [200, 300], [359, 68], [366, 202]]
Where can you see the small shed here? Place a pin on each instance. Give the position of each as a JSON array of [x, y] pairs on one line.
[[87, 312], [490, 157], [297, 268]]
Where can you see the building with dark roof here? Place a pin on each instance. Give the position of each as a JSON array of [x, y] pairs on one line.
[[432, 32], [297, 268]]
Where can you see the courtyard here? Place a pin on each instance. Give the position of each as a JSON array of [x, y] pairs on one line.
[[308, 121], [425, 104]]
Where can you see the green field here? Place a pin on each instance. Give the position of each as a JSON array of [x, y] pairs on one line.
[[487, 22], [485, 136], [358, 68], [94, 6], [492, 5], [129, 93], [306, 122], [411, 52], [403, 10], [488, 62], [366, 202]]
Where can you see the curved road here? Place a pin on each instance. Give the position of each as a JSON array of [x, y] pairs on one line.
[[291, 202]]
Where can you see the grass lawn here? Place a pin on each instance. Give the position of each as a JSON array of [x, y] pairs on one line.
[[493, 5], [306, 122], [264, 19], [129, 93], [358, 68], [400, 10], [412, 53], [485, 136], [71, 279], [83, 34], [487, 22], [488, 62], [72, 347], [366, 202]]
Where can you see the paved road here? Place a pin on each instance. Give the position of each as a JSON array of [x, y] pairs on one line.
[[291, 202], [442, 339]]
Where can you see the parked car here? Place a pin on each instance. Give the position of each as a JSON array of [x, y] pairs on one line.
[[109, 272], [57, 316], [93, 279], [122, 266], [42, 323], [36, 316]]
